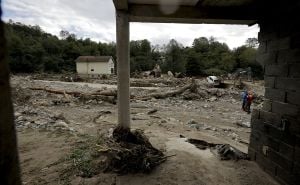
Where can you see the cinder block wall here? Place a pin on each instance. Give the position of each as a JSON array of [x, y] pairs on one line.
[[275, 136], [9, 165]]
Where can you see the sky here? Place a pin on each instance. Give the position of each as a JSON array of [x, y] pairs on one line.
[[95, 19]]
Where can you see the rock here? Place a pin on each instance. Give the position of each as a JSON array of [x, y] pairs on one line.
[[87, 107], [27, 124], [163, 121], [138, 105], [212, 99], [17, 114], [244, 124], [140, 118], [205, 106], [191, 96], [233, 136], [152, 111], [170, 74], [61, 124], [193, 124], [172, 119], [110, 132], [153, 100], [71, 129]]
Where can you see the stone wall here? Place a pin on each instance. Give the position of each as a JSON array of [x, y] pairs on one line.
[[275, 136], [9, 165]]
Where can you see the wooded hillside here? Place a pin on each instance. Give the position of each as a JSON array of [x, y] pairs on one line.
[[33, 50]]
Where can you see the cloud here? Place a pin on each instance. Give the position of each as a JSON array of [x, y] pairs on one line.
[[96, 19]]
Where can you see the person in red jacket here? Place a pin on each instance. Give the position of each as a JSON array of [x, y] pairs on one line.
[[250, 98]]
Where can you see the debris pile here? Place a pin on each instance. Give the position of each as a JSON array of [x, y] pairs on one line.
[[40, 119], [222, 151], [131, 152]]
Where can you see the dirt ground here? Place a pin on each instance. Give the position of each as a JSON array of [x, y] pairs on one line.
[[51, 126]]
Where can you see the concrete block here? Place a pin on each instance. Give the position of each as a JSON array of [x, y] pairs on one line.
[[282, 135], [269, 35], [267, 58], [267, 105], [297, 140], [262, 48], [275, 94], [252, 153], [279, 44], [271, 118], [286, 150], [271, 143], [277, 70], [295, 40], [293, 125], [293, 98], [256, 141], [266, 164], [286, 176], [296, 169], [288, 84], [297, 155], [269, 81], [280, 160], [257, 125], [294, 70], [288, 56], [255, 114], [285, 108]]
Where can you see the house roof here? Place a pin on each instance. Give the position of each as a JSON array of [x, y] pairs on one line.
[[93, 58]]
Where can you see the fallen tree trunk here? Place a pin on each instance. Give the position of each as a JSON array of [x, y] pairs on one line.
[[170, 93], [76, 93], [107, 95], [56, 91]]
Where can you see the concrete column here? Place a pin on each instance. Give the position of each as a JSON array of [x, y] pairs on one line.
[[9, 163], [123, 68]]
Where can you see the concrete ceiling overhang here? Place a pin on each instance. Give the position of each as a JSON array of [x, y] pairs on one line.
[[190, 11]]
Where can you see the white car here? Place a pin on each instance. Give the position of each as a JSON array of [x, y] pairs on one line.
[[213, 80]]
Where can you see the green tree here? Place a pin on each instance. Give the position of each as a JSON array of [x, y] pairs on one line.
[[252, 42], [174, 59]]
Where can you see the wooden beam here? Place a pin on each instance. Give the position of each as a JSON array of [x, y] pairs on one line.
[[190, 14], [121, 4]]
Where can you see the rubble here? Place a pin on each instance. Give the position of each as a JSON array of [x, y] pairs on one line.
[[170, 74], [131, 152], [222, 151], [40, 96], [152, 111], [244, 124]]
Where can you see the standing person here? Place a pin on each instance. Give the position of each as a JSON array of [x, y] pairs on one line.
[[249, 101], [244, 100]]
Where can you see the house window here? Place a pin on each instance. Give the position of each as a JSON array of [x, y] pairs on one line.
[[92, 69], [111, 70]]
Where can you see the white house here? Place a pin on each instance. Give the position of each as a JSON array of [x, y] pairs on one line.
[[94, 66]]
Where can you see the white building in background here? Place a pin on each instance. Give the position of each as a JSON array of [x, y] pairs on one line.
[[94, 66]]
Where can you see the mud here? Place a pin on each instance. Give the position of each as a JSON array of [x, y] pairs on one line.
[[45, 149]]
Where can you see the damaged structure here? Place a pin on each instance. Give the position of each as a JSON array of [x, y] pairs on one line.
[[275, 139], [275, 136]]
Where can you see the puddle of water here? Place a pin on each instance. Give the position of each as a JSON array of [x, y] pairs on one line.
[[180, 144]]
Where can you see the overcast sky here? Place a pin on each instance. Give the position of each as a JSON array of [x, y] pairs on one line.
[[96, 19]]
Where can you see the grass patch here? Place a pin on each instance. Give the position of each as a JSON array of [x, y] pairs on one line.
[[85, 160]]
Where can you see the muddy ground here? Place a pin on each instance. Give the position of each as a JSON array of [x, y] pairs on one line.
[[53, 130]]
